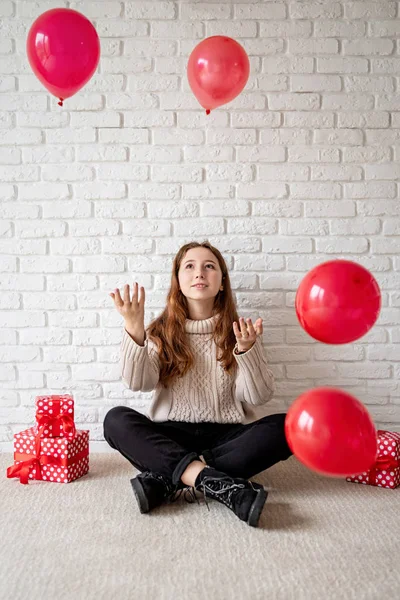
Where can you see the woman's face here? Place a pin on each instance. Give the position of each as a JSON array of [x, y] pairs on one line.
[[199, 275]]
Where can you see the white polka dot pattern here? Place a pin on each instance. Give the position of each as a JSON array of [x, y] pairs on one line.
[[386, 473], [52, 406], [62, 450]]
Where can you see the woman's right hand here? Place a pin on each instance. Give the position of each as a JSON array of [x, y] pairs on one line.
[[131, 309]]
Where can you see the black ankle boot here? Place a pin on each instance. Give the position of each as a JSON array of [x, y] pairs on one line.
[[152, 489], [244, 498]]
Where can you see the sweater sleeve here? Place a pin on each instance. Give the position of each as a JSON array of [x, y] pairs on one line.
[[140, 366], [254, 382]]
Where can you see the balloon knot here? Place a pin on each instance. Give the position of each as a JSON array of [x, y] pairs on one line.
[[208, 111], [61, 102]]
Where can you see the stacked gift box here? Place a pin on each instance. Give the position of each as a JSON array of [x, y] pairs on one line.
[[52, 449], [386, 470]]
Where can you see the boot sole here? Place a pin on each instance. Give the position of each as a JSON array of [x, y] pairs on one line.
[[140, 495], [256, 508]]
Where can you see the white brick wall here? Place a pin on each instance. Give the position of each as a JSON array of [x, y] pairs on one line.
[[302, 167]]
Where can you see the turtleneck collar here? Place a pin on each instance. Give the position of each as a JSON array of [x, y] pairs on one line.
[[201, 326]]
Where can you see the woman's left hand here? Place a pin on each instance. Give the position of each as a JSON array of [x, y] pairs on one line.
[[246, 333]]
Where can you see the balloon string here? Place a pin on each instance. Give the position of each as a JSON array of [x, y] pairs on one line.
[[61, 102]]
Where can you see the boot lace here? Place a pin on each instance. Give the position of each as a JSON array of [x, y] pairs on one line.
[[222, 489], [189, 495], [172, 491], [170, 488]]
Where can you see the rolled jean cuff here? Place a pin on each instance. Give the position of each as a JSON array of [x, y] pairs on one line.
[[181, 466]]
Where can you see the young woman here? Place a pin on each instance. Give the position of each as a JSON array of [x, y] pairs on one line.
[[208, 370]]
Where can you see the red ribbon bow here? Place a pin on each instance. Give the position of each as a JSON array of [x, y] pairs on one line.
[[22, 469], [64, 420]]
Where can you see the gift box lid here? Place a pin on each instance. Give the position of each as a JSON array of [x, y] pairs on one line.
[[65, 400], [24, 442]]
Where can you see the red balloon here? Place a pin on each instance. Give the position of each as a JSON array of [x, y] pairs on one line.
[[218, 70], [331, 432], [63, 50], [338, 302]]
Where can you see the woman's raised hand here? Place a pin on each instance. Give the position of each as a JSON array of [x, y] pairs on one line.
[[131, 309], [246, 333]]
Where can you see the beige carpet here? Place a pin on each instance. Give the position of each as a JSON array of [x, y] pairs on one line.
[[320, 538]]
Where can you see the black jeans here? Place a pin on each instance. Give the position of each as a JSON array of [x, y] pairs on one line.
[[169, 447]]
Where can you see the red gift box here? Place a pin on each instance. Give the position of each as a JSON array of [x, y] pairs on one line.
[[386, 471], [55, 416], [60, 460]]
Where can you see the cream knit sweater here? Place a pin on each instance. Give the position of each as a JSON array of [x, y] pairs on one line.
[[207, 393]]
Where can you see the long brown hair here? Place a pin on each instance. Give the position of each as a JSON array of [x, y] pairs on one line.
[[168, 330]]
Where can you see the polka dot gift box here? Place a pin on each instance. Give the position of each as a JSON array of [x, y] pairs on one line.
[[55, 416], [386, 471], [60, 460]]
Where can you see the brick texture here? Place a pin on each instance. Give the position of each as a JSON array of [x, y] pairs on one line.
[[302, 167]]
